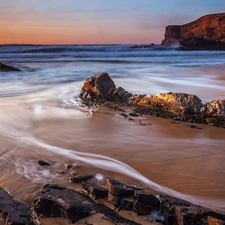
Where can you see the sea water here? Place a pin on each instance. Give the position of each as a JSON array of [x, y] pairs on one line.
[[41, 117]]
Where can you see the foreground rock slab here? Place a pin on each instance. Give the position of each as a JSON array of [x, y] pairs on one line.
[[5, 68], [58, 201], [13, 211]]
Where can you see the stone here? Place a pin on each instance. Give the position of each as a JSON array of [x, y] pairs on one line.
[[99, 86], [57, 201], [5, 68], [189, 102], [145, 202], [120, 188], [192, 215], [216, 107], [44, 163], [215, 221], [93, 190], [143, 46], [205, 33], [15, 212], [121, 94], [175, 106], [79, 178]]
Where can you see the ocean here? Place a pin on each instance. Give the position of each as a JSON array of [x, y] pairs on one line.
[[41, 117]]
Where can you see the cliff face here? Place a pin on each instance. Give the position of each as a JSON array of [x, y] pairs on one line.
[[206, 33]]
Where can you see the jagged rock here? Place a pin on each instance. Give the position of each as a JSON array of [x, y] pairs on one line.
[[79, 178], [177, 106], [93, 190], [120, 188], [44, 163], [215, 221], [143, 46], [100, 86], [216, 107], [5, 68], [192, 215], [121, 94], [205, 33], [145, 202], [58, 201], [188, 102], [119, 202], [15, 212]]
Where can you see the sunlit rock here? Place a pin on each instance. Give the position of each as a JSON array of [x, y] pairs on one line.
[[189, 102], [216, 107], [205, 33]]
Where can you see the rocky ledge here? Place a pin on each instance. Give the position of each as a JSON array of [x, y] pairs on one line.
[[57, 201], [205, 33], [101, 90], [5, 68]]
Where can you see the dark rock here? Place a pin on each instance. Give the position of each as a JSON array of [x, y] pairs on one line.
[[120, 188], [58, 201], [121, 94], [120, 203], [124, 115], [176, 106], [68, 166], [205, 33], [215, 221], [100, 86], [134, 114], [192, 215], [194, 127], [61, 171], [93, 190], [216, 107], [80, 179], [145, 202], [44, 163], [5, 68], [143, 46], [15, 212]]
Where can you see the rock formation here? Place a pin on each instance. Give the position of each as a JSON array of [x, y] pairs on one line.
[[177, 106], [5, 68], [108, 202], [205, 33]]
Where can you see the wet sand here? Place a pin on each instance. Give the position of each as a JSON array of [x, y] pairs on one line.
[[189, 161], [184, 162]]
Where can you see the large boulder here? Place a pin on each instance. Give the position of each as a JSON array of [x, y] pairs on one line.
[[205, 33], [5, 68], [100, 86]]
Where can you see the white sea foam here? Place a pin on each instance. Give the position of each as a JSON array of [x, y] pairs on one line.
[[95, 160]]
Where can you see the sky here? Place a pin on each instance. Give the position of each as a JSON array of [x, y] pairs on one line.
[[97, 21]]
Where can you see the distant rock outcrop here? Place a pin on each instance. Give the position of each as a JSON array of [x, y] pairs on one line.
[[5, 68], [205, 33]]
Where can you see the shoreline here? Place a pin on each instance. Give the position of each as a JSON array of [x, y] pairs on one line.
[[146, 148]]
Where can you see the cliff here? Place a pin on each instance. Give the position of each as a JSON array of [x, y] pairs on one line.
[[205, 33]]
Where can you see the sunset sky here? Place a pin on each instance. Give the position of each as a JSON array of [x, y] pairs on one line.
[[96, 21]]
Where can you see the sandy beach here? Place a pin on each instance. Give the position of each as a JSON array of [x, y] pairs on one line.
[[168, 153], [42, 119]]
